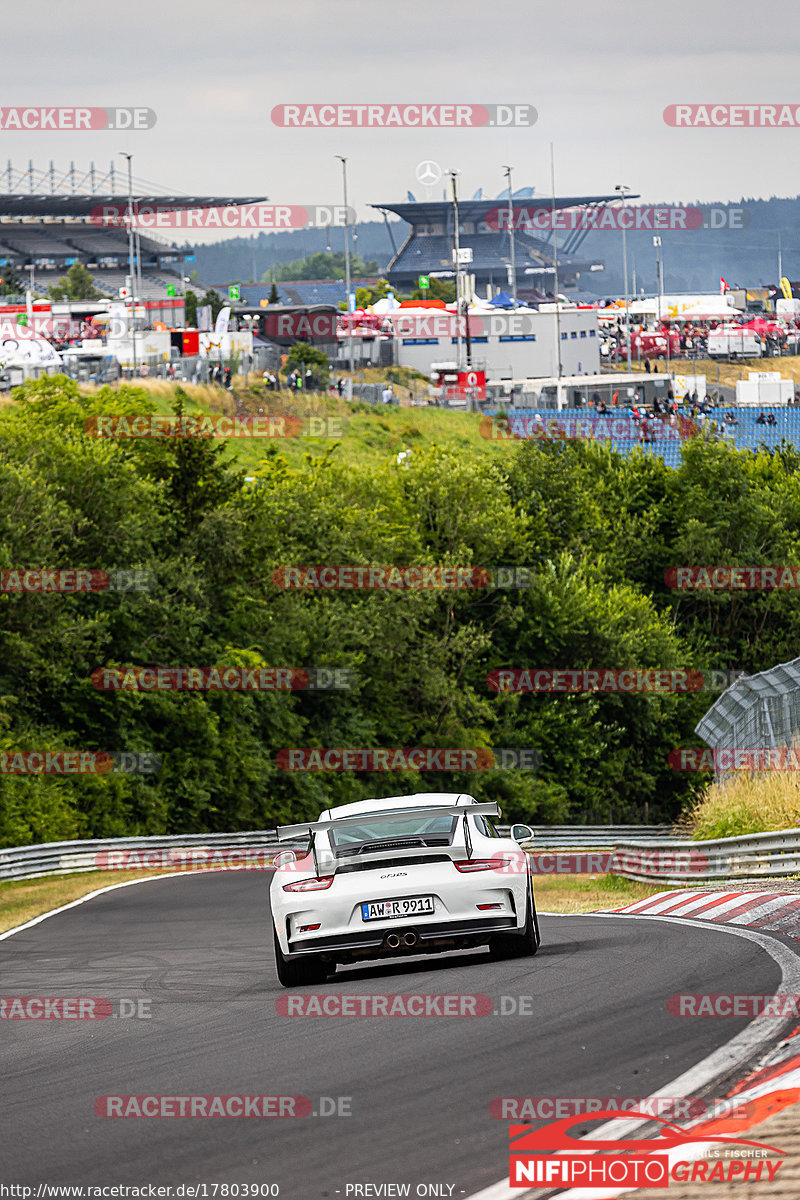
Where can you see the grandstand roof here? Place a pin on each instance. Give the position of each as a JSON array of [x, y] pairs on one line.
[[472, 210], [45, 204]]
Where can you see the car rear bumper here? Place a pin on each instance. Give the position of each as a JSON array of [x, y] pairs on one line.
[[372, 942]]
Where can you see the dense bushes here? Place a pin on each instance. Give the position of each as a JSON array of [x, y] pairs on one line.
[[599, 530]]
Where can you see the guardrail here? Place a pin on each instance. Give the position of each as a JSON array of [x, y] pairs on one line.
[[672, 860], [67, 858], [193, 850], [593, 837]]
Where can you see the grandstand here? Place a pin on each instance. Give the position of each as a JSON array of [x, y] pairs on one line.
[[44, 233], [428, 248], [620, 432]]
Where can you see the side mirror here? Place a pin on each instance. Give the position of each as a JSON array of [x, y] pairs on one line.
[[521, 833]]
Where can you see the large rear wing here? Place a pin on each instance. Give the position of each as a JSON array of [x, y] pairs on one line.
[[289, 833]]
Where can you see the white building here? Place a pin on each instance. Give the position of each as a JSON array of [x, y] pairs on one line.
[[520, 344]]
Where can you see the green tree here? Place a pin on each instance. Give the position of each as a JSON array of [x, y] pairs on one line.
[[322, 266], [191, 308], [303, 356], [77, 284], [274, 298], [213, 299], [11, 284], [197, 474], [370, 295], [440, 289]]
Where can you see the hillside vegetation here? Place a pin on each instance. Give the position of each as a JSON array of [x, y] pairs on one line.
[[596, 530]]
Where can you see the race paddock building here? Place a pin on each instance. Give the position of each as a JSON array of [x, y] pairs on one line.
[[515, 344]]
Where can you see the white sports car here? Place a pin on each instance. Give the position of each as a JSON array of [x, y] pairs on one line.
[[403, 875]]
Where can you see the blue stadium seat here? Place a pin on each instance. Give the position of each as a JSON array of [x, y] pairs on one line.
[[746, 435]]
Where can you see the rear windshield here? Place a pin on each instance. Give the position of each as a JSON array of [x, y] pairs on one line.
[[409, 830]]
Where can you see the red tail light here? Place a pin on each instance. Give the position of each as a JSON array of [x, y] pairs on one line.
[[481, 864], [317, 883]]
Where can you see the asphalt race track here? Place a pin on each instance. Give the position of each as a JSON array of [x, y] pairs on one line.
[[200, 949]]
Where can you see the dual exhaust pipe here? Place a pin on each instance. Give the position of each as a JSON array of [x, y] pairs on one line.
[[394, 940]]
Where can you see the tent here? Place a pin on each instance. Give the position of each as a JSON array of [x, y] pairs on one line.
[[765, 328], [504, 300]]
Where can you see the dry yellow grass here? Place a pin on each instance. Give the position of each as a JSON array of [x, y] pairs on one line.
[[749, 803], [726, 373], [587, 893]]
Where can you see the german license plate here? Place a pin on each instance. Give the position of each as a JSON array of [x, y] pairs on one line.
[[386, 910]]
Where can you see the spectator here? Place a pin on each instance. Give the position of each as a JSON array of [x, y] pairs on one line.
[[388, 396], [761, 419], [771, 419]]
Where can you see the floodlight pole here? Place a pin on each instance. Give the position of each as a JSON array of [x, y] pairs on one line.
[[511, 236], [555, 270], [130, 255], [349, 325], [660, 273], [623, 190], [457, 255]]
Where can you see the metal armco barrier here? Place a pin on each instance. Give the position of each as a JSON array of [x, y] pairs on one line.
[[671, 860], [591, 837], [190, 850], [67, 858]]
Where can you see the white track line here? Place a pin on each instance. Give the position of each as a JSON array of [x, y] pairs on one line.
[[112, 887], [740, 1049]]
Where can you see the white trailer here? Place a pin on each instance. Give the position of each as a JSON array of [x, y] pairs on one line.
[[734, 342]]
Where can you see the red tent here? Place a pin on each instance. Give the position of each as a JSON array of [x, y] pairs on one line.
[[764, 328]]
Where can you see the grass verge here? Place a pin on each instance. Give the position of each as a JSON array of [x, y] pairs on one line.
[[586, 893], [748, 803], [23, 899]]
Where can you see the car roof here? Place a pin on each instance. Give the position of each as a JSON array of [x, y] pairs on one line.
[[386, 803]]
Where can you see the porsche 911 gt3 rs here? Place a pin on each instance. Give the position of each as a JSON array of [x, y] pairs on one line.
[[402, 875]]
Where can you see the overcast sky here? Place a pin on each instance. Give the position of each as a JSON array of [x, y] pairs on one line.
[[599, 73]]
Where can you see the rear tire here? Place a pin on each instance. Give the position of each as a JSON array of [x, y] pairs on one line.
[[519, 945], [299, 972]]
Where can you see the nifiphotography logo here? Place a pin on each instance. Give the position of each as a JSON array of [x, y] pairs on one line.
[[630, 1163]]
